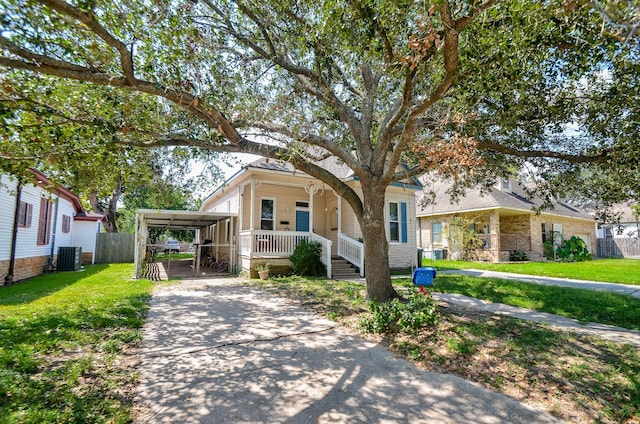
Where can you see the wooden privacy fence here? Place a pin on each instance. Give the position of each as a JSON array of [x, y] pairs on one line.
[[115, 248], [619, 248]]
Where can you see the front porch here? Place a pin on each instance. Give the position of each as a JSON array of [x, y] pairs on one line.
[[275, 248]]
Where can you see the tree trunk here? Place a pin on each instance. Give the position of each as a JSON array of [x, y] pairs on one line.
[[376, 248], [110, 209]]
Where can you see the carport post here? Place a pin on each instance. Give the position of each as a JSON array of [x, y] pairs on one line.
[[140, 244], [196, 252]]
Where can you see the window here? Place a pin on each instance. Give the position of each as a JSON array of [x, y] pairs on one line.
[[66, 224], [608, 234], [557, 234], [44, 223], [505, 184], [394, 222], [436, 233], [267, 217], [544, 232], [24, 214], [398, 222]]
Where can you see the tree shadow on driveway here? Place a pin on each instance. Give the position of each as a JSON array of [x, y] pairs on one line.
[[221, 352]]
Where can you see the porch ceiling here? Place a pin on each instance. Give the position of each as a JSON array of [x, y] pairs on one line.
[[185, 220]]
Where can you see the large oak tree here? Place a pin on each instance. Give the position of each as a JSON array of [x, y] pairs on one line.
[[471, 89]]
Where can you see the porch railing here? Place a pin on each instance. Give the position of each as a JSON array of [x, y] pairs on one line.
[[325, 256], [351, 250], [270, 243], [265, 243]]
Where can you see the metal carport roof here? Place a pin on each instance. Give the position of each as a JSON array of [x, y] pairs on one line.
[[181, 220]]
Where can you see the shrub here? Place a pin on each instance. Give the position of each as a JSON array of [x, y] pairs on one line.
[[518, 256], [306, 259], [396, 316], [573, 250]]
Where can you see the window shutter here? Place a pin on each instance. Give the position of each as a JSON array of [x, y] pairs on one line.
[[403, 222], [29, 211], [42, 220]]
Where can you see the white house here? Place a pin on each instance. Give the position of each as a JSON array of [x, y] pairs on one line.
[[36, 219]]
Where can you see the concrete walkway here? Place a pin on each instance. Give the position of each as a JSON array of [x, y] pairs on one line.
[[216, 351], [606, 332], [603, 331], [625, 289]]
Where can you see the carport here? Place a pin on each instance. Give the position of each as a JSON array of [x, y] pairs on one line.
[[182, 220]]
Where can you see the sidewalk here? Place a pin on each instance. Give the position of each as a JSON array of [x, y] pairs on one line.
[[626, 289], [216, 351], [604, 331]]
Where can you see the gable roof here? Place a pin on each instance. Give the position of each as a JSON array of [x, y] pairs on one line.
[[474, 200], [45, 183], [331, 164]]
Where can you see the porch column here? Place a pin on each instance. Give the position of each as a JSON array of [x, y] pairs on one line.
[[339, 214], [232, 250], [494, 230], [312, 190], [251, 207]]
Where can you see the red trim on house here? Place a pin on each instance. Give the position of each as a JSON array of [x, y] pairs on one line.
[[94, 218], [44, 182]]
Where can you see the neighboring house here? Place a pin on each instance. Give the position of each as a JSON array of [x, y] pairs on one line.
[[504, 220], [274, 206], [35, 220], [621, 238], [627, 222]]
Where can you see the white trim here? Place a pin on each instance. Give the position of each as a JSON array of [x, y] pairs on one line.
[[501, 209], [388, 221]]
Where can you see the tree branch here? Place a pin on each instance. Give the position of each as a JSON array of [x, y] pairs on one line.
[[89, 19]]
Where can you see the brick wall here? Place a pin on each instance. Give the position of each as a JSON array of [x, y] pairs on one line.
[[517, 232], [86, 258], [570, 227], [24, 268]]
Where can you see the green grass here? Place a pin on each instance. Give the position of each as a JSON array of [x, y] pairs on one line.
[[625, 271], [583, 305], [173, 256], [576, 378], [61, 336]]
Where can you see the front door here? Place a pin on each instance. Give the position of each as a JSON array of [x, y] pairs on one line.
[[302, 220]]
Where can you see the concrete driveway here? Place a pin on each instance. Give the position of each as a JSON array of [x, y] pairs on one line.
[[216, 351]]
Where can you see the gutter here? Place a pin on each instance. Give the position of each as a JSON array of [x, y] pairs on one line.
[[8, 279], [53, 235]]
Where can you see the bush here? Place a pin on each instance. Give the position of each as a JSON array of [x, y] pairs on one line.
[[396, 316], [518, 256], [306, 259], [573, 250]]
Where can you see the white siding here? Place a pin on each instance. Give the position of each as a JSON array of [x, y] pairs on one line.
[[7, 213], [85, 234], [402, 255], [27, 241], [63, 239], [226, 203]]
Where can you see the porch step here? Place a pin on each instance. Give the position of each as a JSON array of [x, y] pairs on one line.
[[343, 270]]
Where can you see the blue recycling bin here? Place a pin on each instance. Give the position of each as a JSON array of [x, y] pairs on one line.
[[424, 276]]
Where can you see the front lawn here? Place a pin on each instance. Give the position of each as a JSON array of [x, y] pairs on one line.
[[625, 271], [575, 378], [582, 305], [68, 344]]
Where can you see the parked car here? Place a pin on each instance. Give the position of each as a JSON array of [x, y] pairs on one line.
[[171, 246]]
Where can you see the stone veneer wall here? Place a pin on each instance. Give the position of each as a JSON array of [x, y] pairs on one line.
[[24, 268], [526, 226]]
